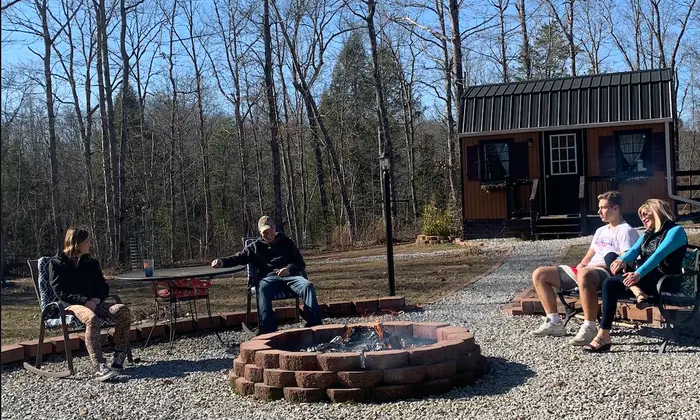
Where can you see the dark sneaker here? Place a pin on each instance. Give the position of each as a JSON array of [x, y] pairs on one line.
[[104, 373], [118, 360]]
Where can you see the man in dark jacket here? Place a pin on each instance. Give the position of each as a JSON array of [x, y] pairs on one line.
[[277, 260]]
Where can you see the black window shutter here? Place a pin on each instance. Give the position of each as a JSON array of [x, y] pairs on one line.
[[519, 161], [473, 163], [606, 155], [658, 152]]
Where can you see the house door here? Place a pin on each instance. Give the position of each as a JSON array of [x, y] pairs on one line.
[[563, 165]]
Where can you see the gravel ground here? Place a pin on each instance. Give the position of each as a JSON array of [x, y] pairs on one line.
[[529, 378]]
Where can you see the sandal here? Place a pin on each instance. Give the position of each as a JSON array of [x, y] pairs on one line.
[[602, 346], [642, 302]]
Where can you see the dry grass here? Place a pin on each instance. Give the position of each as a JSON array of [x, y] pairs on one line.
[[421, 280]]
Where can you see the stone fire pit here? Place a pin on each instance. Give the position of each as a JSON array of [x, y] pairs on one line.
[[269, 368]]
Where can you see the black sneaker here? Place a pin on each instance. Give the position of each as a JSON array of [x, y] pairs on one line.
[[104, 373], [118, 360]]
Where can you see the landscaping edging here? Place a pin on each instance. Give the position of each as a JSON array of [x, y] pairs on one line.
[[27, 349], [434, 239]]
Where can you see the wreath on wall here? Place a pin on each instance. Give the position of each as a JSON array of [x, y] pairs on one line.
[[500, 186]]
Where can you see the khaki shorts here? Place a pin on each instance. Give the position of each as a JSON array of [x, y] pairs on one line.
[[567, 277]]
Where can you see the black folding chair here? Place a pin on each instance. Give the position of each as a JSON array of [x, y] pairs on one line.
[[47, 301]]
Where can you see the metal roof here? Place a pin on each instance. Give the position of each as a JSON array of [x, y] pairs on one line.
[[616, 98]]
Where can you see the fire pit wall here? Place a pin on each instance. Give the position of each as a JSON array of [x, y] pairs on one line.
[[266, 369]]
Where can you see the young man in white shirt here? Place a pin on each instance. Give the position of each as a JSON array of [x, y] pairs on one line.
[[616, 236]]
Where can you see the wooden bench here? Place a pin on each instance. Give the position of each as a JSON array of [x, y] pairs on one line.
[[688, 296]]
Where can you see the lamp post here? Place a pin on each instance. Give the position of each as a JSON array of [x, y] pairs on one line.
[[385, 164]]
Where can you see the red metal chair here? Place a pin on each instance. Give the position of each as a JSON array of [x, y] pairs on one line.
[[173, 292]]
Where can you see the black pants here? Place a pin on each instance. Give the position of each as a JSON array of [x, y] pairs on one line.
[[614, 289]]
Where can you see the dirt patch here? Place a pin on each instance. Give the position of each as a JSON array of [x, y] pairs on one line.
[[420, 279]]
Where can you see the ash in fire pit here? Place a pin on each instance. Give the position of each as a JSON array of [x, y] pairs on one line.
[[365, 338]]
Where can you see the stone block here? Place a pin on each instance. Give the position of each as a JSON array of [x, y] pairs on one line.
[[427, 355], [315, 379], [279, 378], [337, 362], [253, 373], [244, 386], [394, 303], [339, 309], [365, 307], [31, 347], [405, 375], [442, 370], [392, 392], [427, 330], [386, 359], [298, 361], [361, 379], [268, 393], [59, 344], [11, 353], [268, 359], [249, 348], [304, 395], [344, 395]]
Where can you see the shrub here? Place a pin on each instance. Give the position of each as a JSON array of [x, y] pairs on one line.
[[435, 221]]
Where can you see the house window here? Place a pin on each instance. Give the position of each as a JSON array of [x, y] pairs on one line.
[[562, 154], [634, 152], [496, 160]]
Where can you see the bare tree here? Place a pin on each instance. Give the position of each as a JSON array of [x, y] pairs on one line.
[[566, 23], [272, 112], [525, 56]]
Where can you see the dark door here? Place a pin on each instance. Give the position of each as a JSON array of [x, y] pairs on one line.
[[563, 166]]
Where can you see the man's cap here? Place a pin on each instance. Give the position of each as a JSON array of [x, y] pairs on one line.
[[265, 223]]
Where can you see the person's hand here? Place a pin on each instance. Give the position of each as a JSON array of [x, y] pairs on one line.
[[96, 300], [616, 266], [90, 305], [631, 278], [283, 272], [580, 266], [217, 263]]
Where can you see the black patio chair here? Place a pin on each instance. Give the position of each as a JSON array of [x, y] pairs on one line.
[[64, 320], [683, 292], [253, 286]]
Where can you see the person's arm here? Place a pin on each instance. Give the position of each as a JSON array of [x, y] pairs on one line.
[[60, 283], [632, 253], [675, 238], [239, 258], [297, 265], [587, 258]]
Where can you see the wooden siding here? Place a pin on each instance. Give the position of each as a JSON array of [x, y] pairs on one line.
[[633, 192], [479, 204], [592, 135]]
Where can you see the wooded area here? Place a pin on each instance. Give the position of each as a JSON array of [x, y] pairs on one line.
[[172, 125]]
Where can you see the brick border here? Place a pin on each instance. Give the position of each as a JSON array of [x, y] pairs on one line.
[[222, 321], [452, 360]]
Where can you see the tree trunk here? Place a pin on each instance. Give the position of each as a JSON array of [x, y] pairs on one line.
[[449, 110], [124, 135], [173, 116], [53, 160], [272, 113], [382, 115], [525, 47], [106, 156]]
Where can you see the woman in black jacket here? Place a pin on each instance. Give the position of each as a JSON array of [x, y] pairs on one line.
[[81, 289]]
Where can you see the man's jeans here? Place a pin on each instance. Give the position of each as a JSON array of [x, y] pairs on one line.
[[271, 285]]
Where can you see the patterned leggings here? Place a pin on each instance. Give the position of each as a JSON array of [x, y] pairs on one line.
[[121, 316]]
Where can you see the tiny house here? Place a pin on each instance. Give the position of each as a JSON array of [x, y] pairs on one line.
[[536, 154]]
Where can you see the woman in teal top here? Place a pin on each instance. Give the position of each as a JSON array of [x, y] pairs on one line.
[[660, 251]]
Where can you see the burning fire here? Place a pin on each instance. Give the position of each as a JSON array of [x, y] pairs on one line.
[[378, 328]]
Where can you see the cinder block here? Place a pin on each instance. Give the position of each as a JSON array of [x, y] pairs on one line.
[[31, 347], [203, 322], [11, 353], [59, 344], [395, 303], [234, 319]]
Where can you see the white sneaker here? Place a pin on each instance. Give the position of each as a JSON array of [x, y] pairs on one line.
[[585, 335], [547, 328], [104, 373]]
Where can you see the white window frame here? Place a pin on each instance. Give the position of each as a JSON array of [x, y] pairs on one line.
[[560, 137]]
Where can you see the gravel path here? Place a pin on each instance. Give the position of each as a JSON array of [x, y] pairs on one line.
[[530, 378]]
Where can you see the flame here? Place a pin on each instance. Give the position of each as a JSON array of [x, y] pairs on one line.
[[348, 331], [388, 346], [378, 328]]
